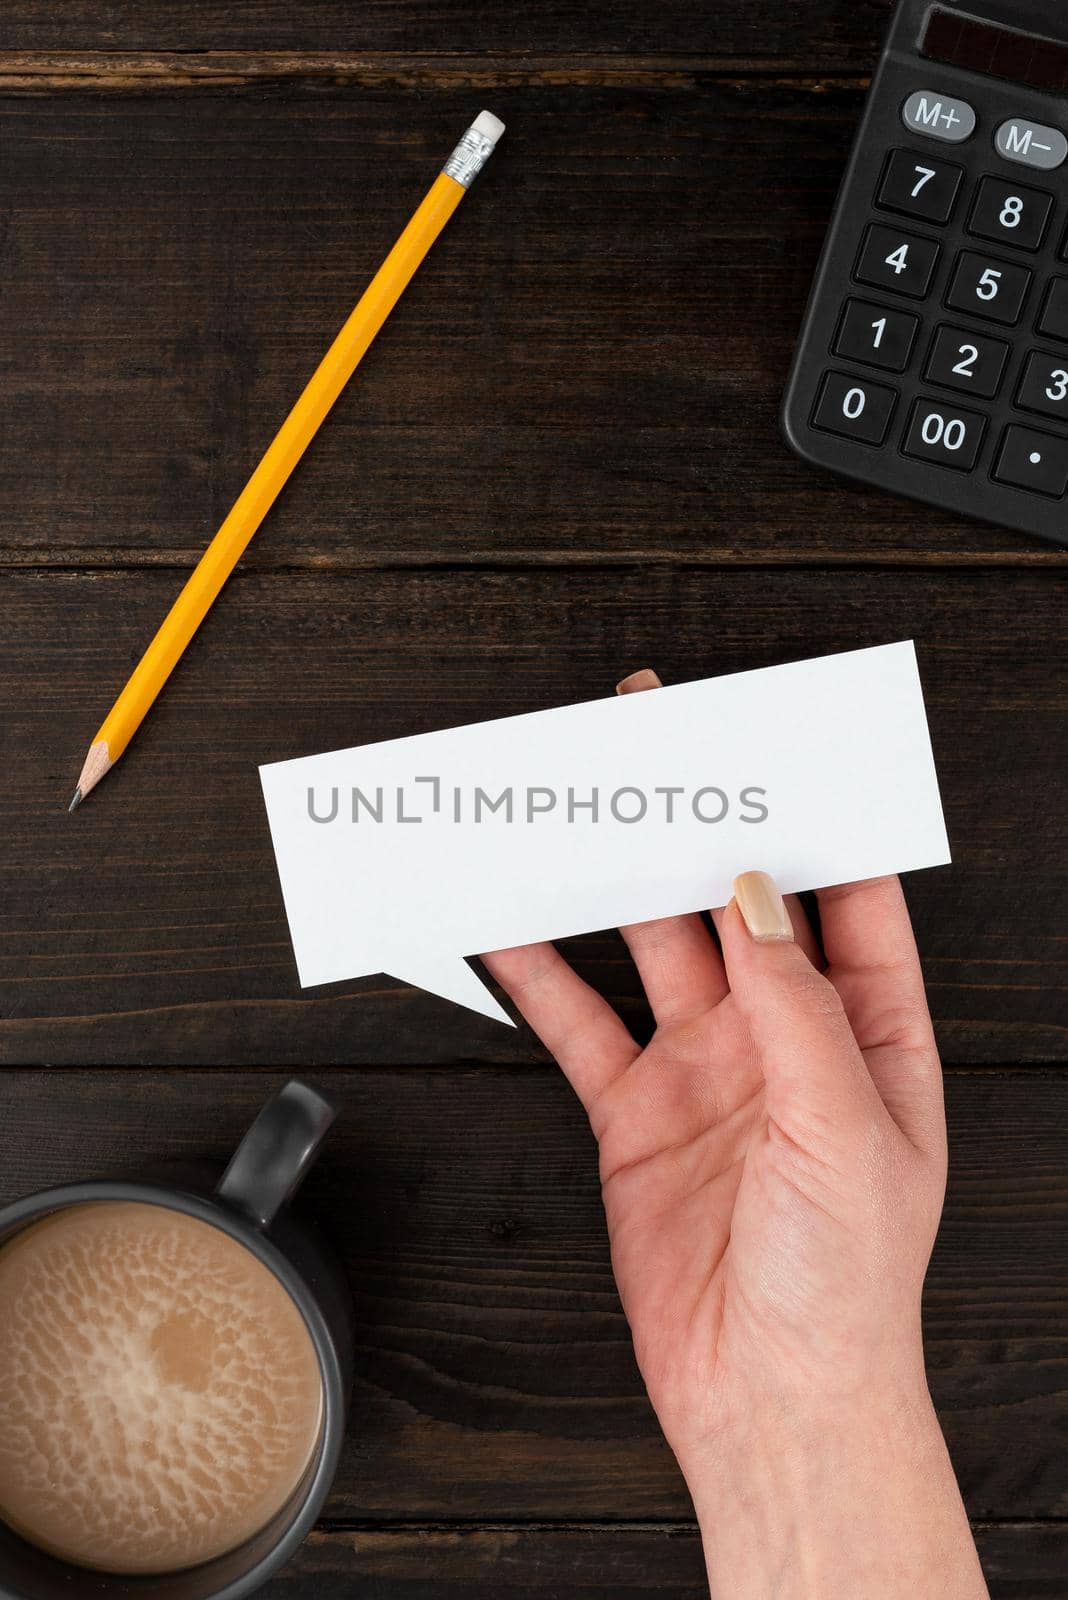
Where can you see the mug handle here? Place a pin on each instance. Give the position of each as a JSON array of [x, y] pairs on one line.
[[273, 1158]]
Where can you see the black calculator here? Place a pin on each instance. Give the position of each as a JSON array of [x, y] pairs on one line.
[[934, 356]]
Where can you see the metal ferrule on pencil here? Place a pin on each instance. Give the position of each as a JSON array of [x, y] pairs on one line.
[[473, 151]]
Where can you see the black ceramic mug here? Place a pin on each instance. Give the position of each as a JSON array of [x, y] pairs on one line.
[[250, 1203]]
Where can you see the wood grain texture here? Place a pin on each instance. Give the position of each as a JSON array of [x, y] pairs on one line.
[[494, 1374], [560, 462], [821, 34], [148, 927], [587, 371], [1022, 1562], [121, 72]]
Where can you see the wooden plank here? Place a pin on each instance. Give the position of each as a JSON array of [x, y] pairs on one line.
[[148, 928], [761, 33], [588, 369], [123, 72], [513, 1563], [1022, 1561], [494, 1372]]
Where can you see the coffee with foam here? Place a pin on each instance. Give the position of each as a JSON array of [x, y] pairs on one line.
[[160, 1395]]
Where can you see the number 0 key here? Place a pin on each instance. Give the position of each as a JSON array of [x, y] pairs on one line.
[[854, 408]]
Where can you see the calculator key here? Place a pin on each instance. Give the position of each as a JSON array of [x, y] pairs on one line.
[[920, 186], [1044, 385], [905, 262], [854, 408], [877, 336], [1032, 144], [938, 116], [1010, 213], [1035, 461], [988, 288], [1054, 318], [944, 435], [971, 362]]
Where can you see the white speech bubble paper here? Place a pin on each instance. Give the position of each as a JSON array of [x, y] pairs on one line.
[[404, 857]]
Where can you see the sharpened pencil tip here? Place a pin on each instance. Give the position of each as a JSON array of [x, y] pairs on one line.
[[95, 765]]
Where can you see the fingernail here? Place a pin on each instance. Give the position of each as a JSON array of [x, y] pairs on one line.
[[763, 908], [645, 679]]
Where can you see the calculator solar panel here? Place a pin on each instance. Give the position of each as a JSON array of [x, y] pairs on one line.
[[933, 361]]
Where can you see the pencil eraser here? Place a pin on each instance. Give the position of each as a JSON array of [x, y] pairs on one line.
[[489, 126]]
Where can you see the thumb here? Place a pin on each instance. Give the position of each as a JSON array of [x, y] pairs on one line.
[[816, 1082]]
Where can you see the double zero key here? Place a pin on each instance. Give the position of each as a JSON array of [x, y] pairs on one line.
[[944, 434]]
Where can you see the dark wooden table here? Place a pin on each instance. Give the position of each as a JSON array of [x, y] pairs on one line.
[[560, 463]]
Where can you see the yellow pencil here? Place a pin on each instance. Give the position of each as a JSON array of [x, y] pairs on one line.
[[290, 443]]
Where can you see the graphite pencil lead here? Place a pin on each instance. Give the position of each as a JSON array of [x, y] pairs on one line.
[[96, 764]]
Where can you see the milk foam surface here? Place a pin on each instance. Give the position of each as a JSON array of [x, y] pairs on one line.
[[160, 1395]]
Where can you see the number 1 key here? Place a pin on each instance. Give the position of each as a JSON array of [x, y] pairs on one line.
[[876, 335]]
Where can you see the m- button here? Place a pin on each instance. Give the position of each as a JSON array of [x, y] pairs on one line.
[[937, 116], [1032, 144]]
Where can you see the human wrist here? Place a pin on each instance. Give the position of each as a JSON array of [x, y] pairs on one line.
[[831, 1495]]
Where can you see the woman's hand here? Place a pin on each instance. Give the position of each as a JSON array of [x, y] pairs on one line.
[[773, 1167]]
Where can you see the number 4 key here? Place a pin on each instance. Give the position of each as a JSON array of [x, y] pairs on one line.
[[903, 262]]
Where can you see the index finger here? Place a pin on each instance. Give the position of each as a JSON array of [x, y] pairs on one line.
[[573, 1022]]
